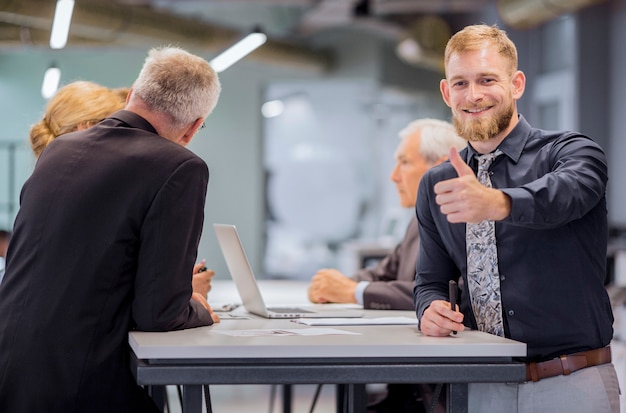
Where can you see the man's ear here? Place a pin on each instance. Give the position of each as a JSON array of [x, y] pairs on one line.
[[130, 92], [519, 84], [191, 132], [445, 91]]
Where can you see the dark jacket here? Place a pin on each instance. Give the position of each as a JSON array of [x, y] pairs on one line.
[[393, 278], [104, 242]]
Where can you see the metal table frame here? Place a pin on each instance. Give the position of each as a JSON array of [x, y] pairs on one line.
[[350, 373]]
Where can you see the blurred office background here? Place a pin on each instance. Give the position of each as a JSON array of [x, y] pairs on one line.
[[305, 176], [300, 146]]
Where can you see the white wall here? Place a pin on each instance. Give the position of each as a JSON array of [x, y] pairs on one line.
[[329, 156]]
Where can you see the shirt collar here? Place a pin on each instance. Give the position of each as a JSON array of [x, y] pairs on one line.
[[512, 146], [133, 120]]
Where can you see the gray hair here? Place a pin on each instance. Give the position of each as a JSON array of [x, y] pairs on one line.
[[436, 138], [179, 84]]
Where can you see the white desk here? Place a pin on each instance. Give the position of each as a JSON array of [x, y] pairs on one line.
[[378, 354]]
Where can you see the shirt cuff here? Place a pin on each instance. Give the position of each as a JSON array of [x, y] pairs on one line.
[[360, 290]]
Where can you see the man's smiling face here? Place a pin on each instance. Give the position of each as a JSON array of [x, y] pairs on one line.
[[481, 91]]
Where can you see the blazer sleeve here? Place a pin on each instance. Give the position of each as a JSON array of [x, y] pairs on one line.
[[393, 278], [168, 249]]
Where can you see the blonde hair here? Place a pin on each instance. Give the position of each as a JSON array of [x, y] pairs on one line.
[[79, 103], [474, 37], [178, 84], [436, 138]]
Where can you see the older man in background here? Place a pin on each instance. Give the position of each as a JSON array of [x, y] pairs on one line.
[[389, 285]]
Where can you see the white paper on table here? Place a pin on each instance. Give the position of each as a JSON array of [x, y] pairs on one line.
[[378, 321], [282, 332]]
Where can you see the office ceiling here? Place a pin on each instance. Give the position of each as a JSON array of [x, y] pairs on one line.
[[284, 20], [212, 25], [289, 19]]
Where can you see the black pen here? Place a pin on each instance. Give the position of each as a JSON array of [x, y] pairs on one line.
[[452, 290], [203, 269]]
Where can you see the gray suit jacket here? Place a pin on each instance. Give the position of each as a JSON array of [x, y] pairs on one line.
[[393, 278]]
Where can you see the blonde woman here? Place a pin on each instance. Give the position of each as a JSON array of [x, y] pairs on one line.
[[76, 106]]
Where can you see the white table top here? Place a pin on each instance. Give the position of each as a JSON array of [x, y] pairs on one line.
[[372, 341], [394, 341]]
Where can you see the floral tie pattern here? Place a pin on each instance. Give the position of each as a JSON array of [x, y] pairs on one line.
[[482, 263]]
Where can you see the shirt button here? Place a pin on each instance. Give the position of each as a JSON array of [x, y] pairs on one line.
[[502, 277], [511, 312]]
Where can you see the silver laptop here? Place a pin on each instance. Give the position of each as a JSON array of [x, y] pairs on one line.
[[251, 298]]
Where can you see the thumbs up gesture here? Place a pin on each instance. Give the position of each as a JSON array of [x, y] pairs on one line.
[[464, 199]]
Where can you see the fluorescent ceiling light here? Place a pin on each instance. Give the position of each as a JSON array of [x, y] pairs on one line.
[[61, 23], [238, 51], [50, 82]]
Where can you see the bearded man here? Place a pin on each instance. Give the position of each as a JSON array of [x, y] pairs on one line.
[[521, 215]]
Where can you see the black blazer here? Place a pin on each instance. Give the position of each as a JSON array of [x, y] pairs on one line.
[[104, 242]]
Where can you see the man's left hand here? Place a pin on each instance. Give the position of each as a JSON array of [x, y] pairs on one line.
[[465, 199], [331, 286]]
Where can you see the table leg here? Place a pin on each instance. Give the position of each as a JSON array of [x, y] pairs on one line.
[[457, 398], [359, 398], [287, 397], [207, 398], [158, 394], [339, 397], [192, 398], [351, 398]]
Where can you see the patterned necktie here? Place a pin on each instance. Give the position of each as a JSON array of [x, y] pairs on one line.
[[482, 263]]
